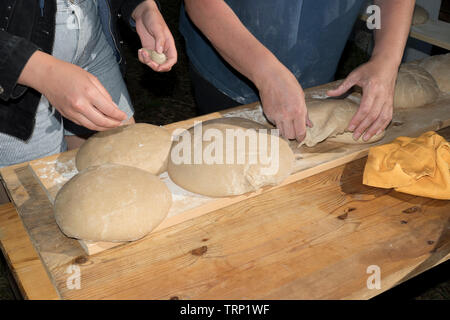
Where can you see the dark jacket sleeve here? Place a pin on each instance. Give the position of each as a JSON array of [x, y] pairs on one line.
[[14, 54]]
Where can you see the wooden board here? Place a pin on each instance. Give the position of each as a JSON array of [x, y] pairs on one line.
[[53, 172], [312, 239], [23, 260], [435, 32]]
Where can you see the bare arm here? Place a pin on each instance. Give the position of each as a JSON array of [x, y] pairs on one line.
[[74, 92], [377, 77], [281, 95], [390, 40]]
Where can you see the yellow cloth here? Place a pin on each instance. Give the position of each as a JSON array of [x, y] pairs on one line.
[[418, 166]]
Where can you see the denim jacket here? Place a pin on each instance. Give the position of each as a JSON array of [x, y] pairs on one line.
[[27, 26]]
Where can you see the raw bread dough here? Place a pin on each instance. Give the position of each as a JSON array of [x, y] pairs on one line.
[[439, 67], [415, 87], [140, 145], [159, 58], [111, 203], [420, 16], [226, 179], [330, 118]]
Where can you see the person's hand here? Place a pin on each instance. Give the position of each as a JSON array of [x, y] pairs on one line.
[[377, 79], [154, 35], [283, 102], [74, 92]]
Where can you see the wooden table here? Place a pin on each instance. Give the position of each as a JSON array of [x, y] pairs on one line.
[[311, 239]]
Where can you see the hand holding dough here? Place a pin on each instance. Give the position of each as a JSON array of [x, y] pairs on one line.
[[330, 118], [227, 179], [159, 58]]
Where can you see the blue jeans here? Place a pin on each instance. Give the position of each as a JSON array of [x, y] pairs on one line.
[[79, 39]]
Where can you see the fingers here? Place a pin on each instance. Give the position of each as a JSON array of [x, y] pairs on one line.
[[279, 126], [381, 123], [362, 113], [82, 120], [309, 123], [300, 128], [171, 52], [101, 88], [111, 114], [144, 57], [87, 123], [288, 129], [348, 83], [367, 114]]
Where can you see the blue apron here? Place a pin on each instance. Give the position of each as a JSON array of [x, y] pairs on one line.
[[307, 36]]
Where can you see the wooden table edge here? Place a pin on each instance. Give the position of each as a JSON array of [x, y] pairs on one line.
[[24, 262]]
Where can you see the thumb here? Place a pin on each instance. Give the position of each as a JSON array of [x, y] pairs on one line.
[[160, 40], [349, 82]]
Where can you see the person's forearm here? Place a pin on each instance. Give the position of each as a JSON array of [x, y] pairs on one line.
[[390, 40], [232, 39], [38, 66], [147, 4]]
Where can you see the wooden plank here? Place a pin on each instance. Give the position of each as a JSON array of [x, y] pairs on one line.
[[435, 32], [23, 260], [36, 212], [3, 195], [313, 239], [53, 172]]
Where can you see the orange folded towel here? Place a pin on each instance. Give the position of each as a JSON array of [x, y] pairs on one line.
[[418, 166]]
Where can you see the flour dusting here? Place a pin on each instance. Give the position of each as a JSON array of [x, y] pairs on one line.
[[256, 114]]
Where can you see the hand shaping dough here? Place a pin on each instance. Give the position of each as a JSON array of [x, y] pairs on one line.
[[159, 58], [415, 87], [420, 16], [140, 145], [439, 67], [330, 118], [226, 179], [111, 203]]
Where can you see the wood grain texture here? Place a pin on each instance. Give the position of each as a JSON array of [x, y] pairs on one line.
[[23, 260], [52, 172], [312, 239]]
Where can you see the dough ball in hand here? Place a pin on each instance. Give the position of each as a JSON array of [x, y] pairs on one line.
[[111, 203], [159, 58], [439, 67], [330, 118], [415, 87], [140, 145], [229, 168]]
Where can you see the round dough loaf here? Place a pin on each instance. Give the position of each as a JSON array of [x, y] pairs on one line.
[[111, 203], [439, 67], [140, 145], [415, 87], [420, 16], [330, 118], [230, 177]]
